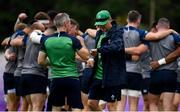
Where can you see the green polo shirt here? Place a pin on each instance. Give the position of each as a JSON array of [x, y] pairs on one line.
[[61, 48]]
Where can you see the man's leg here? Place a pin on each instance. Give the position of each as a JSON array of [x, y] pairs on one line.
[[29, 102], [57, 93], [12, 101], [38, 101], [133, 103], [95, 94], [134, 99], [153, 102], [112, 106], [10, 91], [122, 104], [74, 94], [146, 102], [94, 105], [56, 108], [102, 104], [112, 95], [145, 91], [160, 103], [155, 89], [85, 101], [176, 101], [170, 83], [87, 72], [134, 90], [168, 101], [24, 104]]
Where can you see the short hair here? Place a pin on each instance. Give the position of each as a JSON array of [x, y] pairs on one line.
[[163, 22], [75, 23], [153, 25], [41, 16], [20, 26], [133, 16], [37, 26], [60, 19], [52, 14]]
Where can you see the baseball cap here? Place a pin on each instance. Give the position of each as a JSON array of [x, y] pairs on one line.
[[102, 17]]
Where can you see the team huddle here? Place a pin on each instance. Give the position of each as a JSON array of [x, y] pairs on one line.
[[53, 66]]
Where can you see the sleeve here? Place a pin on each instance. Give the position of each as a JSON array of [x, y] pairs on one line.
[[42, 43], [116, 43], [84, 35], [176, 39], [142, 35], [43, 49], [25, 39], [43, 39], [76, 44]]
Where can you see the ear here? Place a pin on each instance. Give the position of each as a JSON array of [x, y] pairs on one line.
[[156, 26]]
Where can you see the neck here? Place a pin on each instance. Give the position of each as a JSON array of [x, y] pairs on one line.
[[61, 29], [162, 29], [133, 25], [26, 30]]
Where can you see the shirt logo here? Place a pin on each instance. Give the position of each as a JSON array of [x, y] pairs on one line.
[[112, 97]]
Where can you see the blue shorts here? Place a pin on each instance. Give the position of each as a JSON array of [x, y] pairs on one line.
[[87, 73], [65, 87], [134, 81], [145, 86], [9, 82], [178, 87], [109, 94], [18, 85], [162, 81], [31, 84]]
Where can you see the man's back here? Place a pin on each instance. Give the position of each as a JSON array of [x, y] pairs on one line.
[[60, 49], [133, 37], [162, 48]]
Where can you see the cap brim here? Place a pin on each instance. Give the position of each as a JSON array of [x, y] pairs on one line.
[[101, 23]]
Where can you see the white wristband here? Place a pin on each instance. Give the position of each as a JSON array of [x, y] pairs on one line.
[[162, 61], [91, 59], [36, 36]]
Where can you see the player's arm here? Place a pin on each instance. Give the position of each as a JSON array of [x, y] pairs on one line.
[[5, 41], [168, 59], [18, 41], [91, 32], [83, 53], [9, 55], [137, 50], [42, 59], [80, 49], [151, 36]]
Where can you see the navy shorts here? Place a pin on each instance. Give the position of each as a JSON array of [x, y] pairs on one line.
[[145, 86], [134, 81], [32, 84], [162, 81], [18, 85], [85, 79], [65, 87], [109, 94], [178, 87], [9, 82]]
